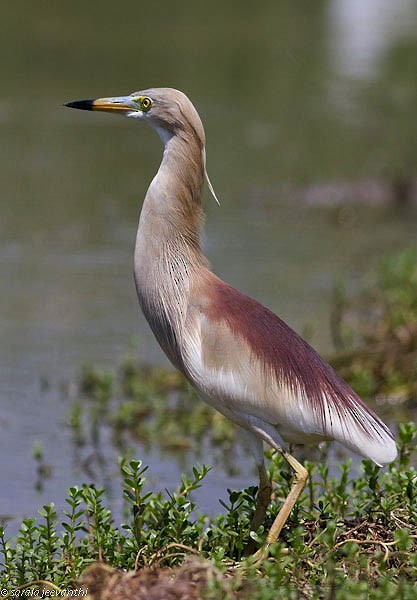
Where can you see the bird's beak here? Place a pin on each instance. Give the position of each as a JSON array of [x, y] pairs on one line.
[[117, 104]]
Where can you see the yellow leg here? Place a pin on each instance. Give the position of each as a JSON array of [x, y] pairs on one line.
[[298, 485]]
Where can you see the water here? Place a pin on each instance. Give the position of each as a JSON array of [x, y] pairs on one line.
[[288, 94]]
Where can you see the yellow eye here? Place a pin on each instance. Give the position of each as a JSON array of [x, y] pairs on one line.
[[145, 103]]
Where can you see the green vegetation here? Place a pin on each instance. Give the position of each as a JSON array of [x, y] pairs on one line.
[[345, 537], [376, 333], [153, 406]]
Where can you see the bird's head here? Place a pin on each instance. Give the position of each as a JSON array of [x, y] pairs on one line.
[[168, 111]]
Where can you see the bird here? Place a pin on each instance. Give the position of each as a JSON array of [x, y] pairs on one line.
[[241, 358]]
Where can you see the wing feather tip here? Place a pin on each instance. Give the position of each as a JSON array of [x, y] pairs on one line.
[[382, 450], [386, 455]]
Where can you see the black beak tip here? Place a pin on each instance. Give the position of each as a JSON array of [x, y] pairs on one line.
[[81, 104]]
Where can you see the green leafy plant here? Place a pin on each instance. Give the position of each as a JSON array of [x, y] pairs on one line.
[[350, 534], [380, 358]]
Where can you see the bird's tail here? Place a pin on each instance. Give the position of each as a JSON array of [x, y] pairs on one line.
[[359, 429]]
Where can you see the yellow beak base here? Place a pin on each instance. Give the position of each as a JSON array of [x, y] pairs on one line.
[[103, 104]]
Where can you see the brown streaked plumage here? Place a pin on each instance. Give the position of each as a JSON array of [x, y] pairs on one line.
[[242, 359]]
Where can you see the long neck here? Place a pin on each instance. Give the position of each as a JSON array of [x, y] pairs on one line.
[[168, 252], [174, 196]]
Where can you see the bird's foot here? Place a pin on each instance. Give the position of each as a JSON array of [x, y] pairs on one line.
[[255, 560], [261, 555]]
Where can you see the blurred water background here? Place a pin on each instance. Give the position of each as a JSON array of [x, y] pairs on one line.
[[299, 100]]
